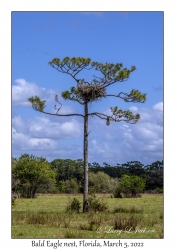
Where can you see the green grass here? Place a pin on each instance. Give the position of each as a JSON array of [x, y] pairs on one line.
[[45, 217]]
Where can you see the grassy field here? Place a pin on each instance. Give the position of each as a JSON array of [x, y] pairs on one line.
[[45, 217]]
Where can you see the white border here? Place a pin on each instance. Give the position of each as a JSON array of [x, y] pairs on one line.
[[5, 104]]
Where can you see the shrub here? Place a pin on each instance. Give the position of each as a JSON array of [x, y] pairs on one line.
[[74, 206], [131, 186], [117, 193], [97, 204], [101, 182]]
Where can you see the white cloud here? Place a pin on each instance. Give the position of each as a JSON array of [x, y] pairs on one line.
[[19, 124], [23, 90], [133, 108], [43, 147], [24, 142], [146, 131], [128, 136], [158, 106], [117, 143], [153, 115], [44, 127], [44, 137], [142, 141]]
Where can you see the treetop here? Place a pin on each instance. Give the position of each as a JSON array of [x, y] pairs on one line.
[[111, 72], [86, 92]]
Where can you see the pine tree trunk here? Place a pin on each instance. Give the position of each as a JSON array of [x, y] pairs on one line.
[[85, 197]]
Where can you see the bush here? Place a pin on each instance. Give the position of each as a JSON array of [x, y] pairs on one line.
[[117, 193], [101, 182], [31, 173], [74, 206], [131, 186], [97, 204]]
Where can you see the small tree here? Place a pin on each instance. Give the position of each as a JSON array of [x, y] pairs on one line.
[[87, 92], [71, 186], [32, 173], [101, 183], [131, 185]]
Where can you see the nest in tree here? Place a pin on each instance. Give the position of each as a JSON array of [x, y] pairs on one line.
[[92, 92]]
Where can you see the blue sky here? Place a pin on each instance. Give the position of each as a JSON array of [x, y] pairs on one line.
[[130, 38]]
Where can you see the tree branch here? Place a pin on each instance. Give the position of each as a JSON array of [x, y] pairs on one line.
[[134, 96], [65, 72], [118, 115], [98, 114], [81, 70], [39, 105], [61, 114], [71, 66]]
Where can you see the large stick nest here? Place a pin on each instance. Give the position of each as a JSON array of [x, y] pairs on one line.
[[92, 92]]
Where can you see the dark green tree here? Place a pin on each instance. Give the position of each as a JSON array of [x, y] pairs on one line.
[[32, 173], [131, 185], [86, 92], [135, 168], [68, 169]]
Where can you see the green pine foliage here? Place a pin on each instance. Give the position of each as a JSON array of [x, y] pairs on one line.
[[95, 89]]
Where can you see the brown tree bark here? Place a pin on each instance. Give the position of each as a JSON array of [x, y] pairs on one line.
[[85, 196]]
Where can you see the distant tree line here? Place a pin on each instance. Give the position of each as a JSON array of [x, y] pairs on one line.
[[152, 173], [31, 175]]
